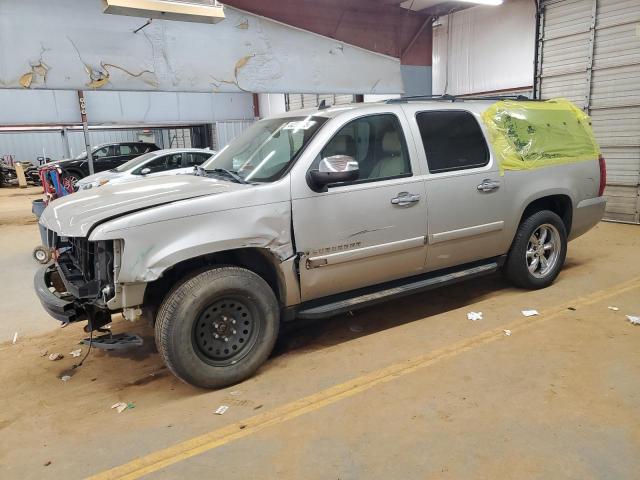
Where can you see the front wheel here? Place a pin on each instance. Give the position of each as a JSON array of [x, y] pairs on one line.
[[216, 328], [538, 251]]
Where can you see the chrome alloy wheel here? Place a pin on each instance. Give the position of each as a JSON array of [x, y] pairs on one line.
[[543, 250]]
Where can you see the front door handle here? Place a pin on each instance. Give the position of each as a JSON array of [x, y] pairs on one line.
[[405, 198], [488, 185]]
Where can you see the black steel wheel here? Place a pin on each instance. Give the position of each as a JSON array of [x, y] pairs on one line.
[[217, 327], [225, 331]]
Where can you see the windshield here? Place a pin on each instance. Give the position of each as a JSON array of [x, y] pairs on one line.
[[135, 162], [81, 156], [266, 149]]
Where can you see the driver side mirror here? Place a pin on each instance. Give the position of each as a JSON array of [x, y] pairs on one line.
[[145, 171], [335, 169]]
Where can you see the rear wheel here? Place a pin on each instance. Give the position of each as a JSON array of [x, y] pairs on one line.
[[218, 327], [538, 251]]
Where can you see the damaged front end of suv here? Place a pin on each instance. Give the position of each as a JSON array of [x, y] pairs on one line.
[[80, 284]]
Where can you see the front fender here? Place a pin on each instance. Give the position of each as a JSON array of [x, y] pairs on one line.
[[152, 248]]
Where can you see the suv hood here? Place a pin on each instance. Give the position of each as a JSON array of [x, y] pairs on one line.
[[74, 215]]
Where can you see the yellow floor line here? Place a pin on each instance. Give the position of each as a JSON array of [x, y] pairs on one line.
[[181, 451]]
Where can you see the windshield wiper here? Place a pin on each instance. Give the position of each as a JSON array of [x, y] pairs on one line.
[[230, 174]]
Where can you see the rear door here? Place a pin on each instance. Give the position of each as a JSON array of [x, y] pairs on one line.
[[466, 194], [370, 230]]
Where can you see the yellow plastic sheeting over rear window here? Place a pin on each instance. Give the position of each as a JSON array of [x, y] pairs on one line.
[[527, 135]]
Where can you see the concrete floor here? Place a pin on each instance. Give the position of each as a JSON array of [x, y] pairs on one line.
[[19, 235], [420, 392]]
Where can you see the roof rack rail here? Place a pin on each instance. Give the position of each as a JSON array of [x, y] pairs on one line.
[[453, 98], [445, 97]]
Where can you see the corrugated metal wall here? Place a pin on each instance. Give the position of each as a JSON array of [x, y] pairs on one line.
[[29, 145], [298, 101], [590, 53], [224, 132]]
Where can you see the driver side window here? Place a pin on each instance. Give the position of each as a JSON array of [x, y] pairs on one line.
[[377, 143]]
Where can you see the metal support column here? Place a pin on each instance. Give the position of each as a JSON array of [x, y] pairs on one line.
[[591, 46], [64, 133], [85, 128]]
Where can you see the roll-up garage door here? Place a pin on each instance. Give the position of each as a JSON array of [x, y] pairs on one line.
[[589, 52]]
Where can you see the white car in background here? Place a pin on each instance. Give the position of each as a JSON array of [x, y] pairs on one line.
[[171, 161]]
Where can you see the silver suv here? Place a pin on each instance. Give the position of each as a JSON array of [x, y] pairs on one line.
[[312, 214]]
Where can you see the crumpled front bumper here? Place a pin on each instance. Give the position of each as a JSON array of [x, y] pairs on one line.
[[63, 310]]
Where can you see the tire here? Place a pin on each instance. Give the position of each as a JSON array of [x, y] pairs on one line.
[[532, 264], [69, 179], [198, 315]]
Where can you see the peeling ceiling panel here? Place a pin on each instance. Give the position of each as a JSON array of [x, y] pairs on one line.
[[71, 45]]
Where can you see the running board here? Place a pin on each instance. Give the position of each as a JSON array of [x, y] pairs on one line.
[[313, 310]]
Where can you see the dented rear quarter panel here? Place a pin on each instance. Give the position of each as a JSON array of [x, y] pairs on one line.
[[158, 238]]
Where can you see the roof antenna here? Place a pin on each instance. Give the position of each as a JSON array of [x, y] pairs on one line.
[[323, 105]]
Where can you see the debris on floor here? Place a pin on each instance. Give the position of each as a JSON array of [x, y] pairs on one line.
[[530, 313], [235, 393], [221, 410], [473, 316], [76, 353], [122, 406], [44, 353], [15, 338], [507, 332], [635, 320], [356, 328], [65, 378], [56, 356], [615, 309], [573, 309], [47, 463]]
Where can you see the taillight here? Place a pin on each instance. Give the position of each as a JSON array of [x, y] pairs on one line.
[[603, 175]]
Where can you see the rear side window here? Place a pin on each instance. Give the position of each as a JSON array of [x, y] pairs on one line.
[[452, 140]]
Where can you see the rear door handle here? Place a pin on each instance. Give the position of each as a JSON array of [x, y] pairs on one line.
[[488, 185], [405, 198]]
